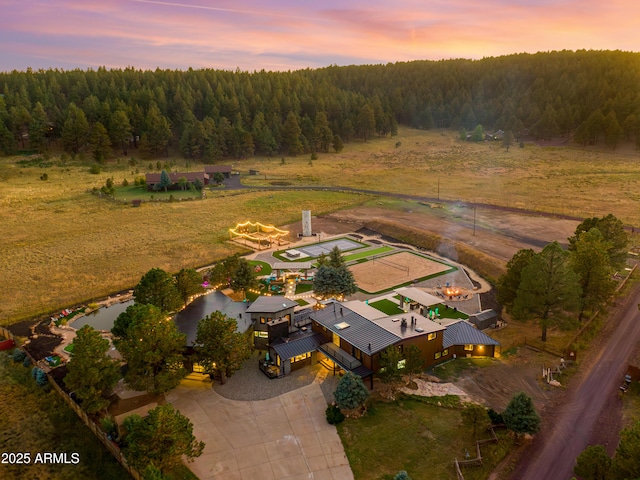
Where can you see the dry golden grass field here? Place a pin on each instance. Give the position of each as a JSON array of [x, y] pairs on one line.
[[61, 245], [568, 180]]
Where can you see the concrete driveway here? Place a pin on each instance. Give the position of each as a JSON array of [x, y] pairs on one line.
[[285, 437]]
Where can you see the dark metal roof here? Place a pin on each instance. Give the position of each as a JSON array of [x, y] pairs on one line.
[[486, 315], [297, 346], [362, 333], [463, 333], [271, 304], [187, 320]]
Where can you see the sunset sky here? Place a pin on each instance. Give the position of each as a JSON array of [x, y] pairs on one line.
[[288, 34]]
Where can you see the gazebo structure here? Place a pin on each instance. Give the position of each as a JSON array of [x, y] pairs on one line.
[[293, 268], [258, 236]]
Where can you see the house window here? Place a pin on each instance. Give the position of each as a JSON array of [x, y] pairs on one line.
[[445, 352], [437, 355], [299, 358], [357, 353], [402, 363], [468, 348], [263, 320], [261, 334], [400, 348], [431, 336]]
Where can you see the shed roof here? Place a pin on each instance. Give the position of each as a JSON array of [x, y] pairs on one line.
[[361, 308], [271, 304], [485, 315], [420, 296], [360, 332], [297, 346], [217, 168], [292, 265], [463, 333]]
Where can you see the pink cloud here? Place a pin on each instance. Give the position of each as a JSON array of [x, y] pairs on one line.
[[287, 34]]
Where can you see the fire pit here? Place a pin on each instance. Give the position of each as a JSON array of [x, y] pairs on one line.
[[453, 292]]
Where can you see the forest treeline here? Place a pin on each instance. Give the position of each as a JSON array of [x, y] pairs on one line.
[[590, 96]]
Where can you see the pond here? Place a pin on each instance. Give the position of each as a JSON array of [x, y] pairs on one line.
[[103, 318]]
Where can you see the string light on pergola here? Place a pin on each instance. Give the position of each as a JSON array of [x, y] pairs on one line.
[[258, 233]]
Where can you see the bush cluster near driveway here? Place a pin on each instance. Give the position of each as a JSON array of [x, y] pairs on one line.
[[415, 435]]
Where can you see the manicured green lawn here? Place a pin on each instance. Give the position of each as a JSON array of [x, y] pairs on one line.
[[415, 435], [387, 306], [367, 253], [132, 192], [447, 312], [265, 270], [69, 348], [302, 302], [303, 288]]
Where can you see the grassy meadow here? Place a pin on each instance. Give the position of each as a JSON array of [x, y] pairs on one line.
[[61, 245], [567, 180]]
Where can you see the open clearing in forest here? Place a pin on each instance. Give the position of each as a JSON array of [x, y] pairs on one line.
[[63, 246]]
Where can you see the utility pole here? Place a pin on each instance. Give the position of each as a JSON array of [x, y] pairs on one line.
[[474, 220]]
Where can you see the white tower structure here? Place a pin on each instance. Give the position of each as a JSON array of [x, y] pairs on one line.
[[306, 223]]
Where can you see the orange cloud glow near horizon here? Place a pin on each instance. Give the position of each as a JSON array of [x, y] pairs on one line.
[[254, 35]]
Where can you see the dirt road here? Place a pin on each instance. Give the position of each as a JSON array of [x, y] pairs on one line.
[[591, 394]]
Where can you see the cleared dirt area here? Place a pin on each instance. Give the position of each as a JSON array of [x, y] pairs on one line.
[[386, 272]]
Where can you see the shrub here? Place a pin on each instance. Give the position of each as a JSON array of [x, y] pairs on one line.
[[44, 177], [110, 427], [314, 156], [19, 355], [39, 376], [26, 362], [334, 415], [125, 183], [402, 475], [350, 393], [95, 169], [496, 418]]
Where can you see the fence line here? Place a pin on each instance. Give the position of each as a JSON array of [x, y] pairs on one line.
[[97, 431]]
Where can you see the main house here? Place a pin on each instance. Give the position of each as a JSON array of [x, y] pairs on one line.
[[350, 336], [347, 336], [153, 179]]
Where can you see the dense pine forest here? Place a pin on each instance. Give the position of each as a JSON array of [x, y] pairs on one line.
[[590, 97]]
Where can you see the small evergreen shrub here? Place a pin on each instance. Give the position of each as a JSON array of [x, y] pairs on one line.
[[496, 418], [19, 355], [95, 169], [402, 475], [26, 362], [39, 376], [334, 415]]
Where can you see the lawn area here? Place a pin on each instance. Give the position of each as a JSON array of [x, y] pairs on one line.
[[265, 268], [387, 306], [367, 253], [69, 348], [448, 312], [415, 435], [280, 254], [303, 288], [302, 302], [132, 192]]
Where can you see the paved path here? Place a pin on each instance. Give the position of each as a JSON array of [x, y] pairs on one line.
[[283, 438], [553, 456]]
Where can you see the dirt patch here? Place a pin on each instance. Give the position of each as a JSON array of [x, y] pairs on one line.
[[497, 233], [495, 385], [383, 273]]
